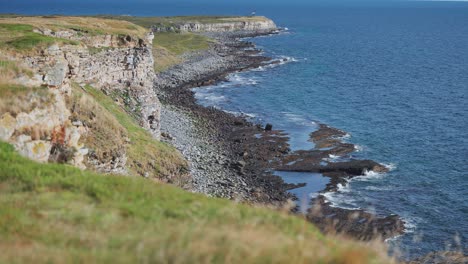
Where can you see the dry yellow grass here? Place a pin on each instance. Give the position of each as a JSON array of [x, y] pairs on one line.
[[9, 70], [15, 99], [91, 24], [163, 59], [106, 136]]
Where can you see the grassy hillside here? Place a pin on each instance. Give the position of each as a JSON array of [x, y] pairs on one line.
[[168, 46], [58, 214]]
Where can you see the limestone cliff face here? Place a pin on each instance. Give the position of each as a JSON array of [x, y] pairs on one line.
[[116, 65], [259, 25]]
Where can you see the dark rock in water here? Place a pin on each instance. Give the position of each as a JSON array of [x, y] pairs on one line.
[[326, 132], [356, 223], [268, 127], [353, 167], [442, 257], [348, 168]]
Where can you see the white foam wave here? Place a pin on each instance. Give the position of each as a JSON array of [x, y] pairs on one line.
[[377, 189], [390, 166], [212, 98], [241, 113], [259, 69], [411, 224], [369, 175], [337, 199], [332, 157], [358, 148], [343, 188], [294, 117], [392, 239], [239, 80], [347, 136]]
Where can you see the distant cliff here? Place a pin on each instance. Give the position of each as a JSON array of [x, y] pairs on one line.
[[223, 24]]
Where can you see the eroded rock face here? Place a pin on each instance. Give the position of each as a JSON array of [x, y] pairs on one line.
[[260, 25], [124, 68], [263, 25], [97, 41]]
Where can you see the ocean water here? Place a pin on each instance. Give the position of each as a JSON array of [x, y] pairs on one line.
[[396, 79], [394, 76]]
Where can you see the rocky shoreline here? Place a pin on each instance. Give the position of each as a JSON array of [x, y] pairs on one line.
[[232, 158]]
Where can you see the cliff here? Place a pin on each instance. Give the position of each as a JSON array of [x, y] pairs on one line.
[[258, 24], [71, 125], [254, 24]]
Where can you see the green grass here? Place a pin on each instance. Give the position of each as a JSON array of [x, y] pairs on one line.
[[21, 37], [168, 46], [146, 156], [51, 213], [179, 43]]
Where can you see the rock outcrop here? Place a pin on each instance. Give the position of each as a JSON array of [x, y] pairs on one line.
[[117, 65]]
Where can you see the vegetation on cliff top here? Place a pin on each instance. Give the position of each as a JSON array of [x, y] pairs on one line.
[[86, 25], [20, 37], [52, 213]]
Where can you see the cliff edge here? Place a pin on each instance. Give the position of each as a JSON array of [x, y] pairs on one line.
[[86, 89]]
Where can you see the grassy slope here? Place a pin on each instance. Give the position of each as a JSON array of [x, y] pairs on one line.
[[58, 214], [168, 46], [145, 155]]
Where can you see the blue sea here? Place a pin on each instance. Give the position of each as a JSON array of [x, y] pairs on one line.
[[394, 76]]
